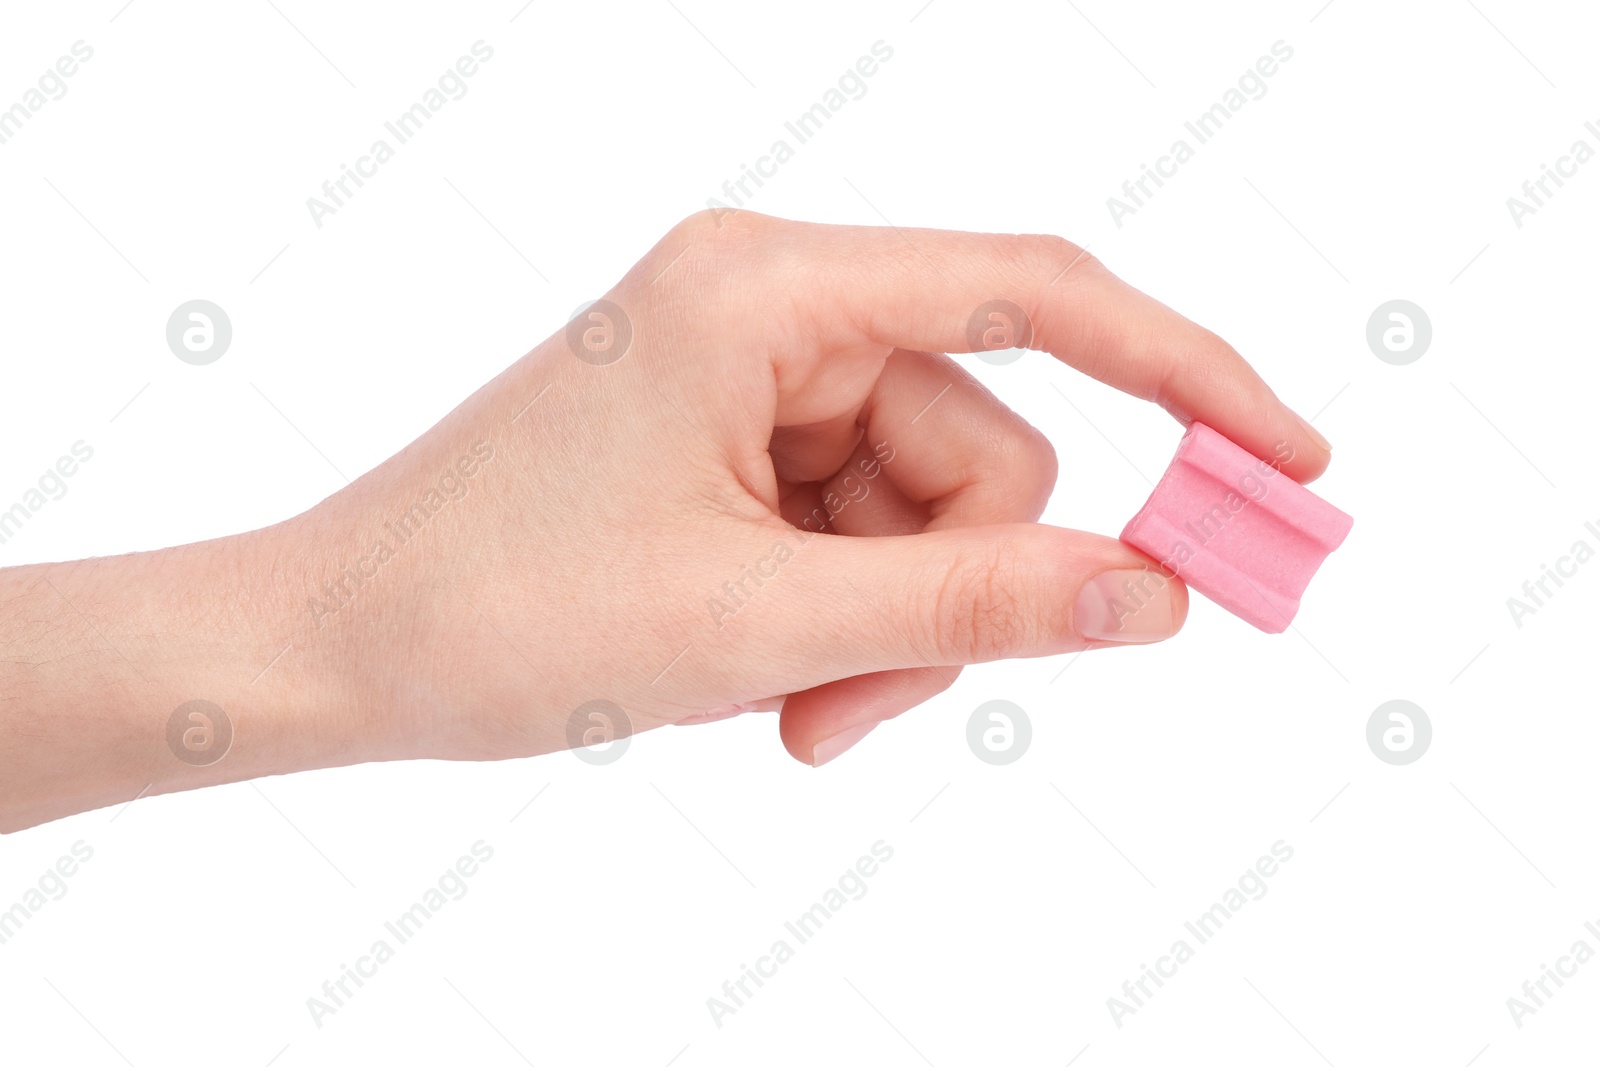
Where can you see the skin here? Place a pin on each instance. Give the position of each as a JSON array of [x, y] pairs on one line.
[[772, 365]]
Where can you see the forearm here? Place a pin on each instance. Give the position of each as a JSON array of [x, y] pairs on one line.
[[356, 631], [97, 656]]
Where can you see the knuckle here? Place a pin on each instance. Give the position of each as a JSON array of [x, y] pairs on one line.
[[1049, 255], [723, 228], [1037, 456], [717, 253], [977, 615], [1044, 453], [1049, 246], [1028, 447], [1215, 353], [1199, 366], [1022, 464]]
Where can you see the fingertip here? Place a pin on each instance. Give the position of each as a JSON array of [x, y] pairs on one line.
[[1315, 453], [1130, 605], [831, 748], [1180, 604], [1278, 436], [822, 723]]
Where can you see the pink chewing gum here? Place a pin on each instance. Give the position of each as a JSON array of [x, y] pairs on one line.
[[1237, 529]]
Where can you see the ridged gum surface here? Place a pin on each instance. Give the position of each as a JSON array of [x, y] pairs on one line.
[[1236, 529]]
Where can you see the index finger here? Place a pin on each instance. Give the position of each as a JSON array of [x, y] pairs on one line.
[[940, 290]]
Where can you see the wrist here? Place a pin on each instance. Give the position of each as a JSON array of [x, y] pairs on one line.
[[185, 661]]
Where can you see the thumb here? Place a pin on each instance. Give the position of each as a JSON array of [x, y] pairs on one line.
[[976, 594]]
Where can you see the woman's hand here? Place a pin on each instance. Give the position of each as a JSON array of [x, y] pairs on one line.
[[745, 479]]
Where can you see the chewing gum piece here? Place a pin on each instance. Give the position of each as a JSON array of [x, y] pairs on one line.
[[1237, 529]]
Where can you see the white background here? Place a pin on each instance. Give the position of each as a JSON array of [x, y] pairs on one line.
[[1019, 898]]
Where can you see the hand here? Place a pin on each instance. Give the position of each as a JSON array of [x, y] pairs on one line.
[[744, 480], [778, 493]]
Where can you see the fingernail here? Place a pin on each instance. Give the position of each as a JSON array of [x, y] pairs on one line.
[[1311, 432], [728, 711], [839, 743], [1127, 606], [715, 714]]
